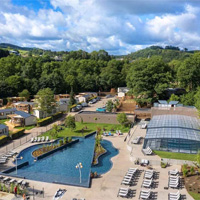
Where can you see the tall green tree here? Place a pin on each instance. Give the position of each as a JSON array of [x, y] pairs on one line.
[[148, 78], [122, 119], [189, 72], [25, 93], [109, 106], [46, 100], [70, 122]]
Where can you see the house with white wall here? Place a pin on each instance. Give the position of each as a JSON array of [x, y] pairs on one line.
[[121, 91]]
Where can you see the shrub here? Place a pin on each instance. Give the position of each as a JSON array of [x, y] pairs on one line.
[[185, 172], [69, 139], [65, 140], [17, 133], [11, 188], [163, 165], [4, 188], [4, 139], [45, 121], [192, 170], [60, 142]]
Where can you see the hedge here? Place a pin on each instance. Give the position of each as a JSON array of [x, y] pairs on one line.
[[17, 134], [45, 121], [92, 98], [4, 139], [57, 115], [48, 120]]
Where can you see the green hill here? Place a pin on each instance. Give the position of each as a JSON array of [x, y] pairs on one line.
[[12, 46], [168, 53]]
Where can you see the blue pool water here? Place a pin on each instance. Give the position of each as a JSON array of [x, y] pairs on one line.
[[60, 166], [105, 163]]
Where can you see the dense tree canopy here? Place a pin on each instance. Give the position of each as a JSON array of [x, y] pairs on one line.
[[148, 78]]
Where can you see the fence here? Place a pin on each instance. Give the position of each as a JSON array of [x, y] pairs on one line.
[[23, 140]]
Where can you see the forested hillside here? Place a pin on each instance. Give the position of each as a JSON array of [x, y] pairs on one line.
[[168, 53], [147, 78]]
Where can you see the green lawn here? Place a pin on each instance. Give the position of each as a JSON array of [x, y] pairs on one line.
[[26, 127], [91, 127], [196, 196], [2, 121], [178, 156]]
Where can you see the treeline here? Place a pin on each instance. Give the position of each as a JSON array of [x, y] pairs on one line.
[[78, 70], [148, 78]]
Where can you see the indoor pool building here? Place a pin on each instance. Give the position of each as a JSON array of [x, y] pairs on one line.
[[175, 133]]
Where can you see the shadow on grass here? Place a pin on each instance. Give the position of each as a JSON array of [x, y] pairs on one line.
[[85, 131]]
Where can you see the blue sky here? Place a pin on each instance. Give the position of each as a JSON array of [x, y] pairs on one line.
[[118, 26]]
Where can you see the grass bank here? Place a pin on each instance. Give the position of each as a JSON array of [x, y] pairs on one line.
[[87, 128], [195, 196], [177, 156]]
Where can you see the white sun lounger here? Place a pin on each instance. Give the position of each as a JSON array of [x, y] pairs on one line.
[[39, 139], [32, 140], [19, 181], [47, 138], [42, 139], [12, 181], [35, 139], [174, 172]]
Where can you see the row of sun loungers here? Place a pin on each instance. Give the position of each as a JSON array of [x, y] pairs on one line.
[[174, 196], [129, 177], [8, 180], [145, 194], [147, 151], [4, 158], [40, 139], [136, 140], [174, 179]]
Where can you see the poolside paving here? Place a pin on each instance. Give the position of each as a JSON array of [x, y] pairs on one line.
[[106, 187]]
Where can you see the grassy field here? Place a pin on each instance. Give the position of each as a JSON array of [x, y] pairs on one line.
[[195, 195], [178, 156], [91, 127], [2, 121]]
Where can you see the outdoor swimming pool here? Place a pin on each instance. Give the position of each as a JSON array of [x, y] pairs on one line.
[[60, 167]]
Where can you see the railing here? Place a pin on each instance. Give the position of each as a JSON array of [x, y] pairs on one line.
[[23, 140]]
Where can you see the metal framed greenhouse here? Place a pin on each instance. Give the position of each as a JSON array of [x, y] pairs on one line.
[[175, 133]]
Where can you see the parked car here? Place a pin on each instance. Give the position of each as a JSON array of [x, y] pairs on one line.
[[101, 110], [109, 96], [91, 102], [84, 104]]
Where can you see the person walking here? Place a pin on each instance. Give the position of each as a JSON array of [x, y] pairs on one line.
[[15, 190]]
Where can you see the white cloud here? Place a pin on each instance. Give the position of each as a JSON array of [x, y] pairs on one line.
[[92, 25]]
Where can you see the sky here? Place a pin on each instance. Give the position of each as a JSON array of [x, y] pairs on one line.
[[117, 26]]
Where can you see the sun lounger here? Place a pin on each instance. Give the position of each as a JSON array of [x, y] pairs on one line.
[[47, 138], [173, 172], [35, 139], [12, 181], [24, 184], [126, 182], [19, 181], [2, 161], [39, 139], [42, 139], [174, 196], [145, 194], [136, 140], [144, 162], [6, 179], [32, 140]]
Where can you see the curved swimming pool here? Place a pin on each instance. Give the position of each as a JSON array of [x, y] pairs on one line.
[[60, 167]]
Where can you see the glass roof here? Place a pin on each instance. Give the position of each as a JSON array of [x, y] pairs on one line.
[[173, 133], [174, 121], [174, 126], [162, 101]]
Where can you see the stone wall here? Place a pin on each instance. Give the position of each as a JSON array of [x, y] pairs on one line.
[[96, 117]]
